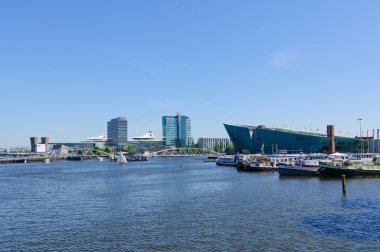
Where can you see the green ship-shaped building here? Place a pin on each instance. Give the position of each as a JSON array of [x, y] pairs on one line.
[[261, 139]]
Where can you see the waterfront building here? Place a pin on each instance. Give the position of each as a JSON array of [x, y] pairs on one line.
[[98, 141], [117, 131], [147, 143], [37, 147], [265, 140], [213, 143], [176, 130], [72, 145]]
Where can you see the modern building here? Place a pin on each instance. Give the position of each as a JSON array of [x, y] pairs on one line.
[[147, 143], [213, 143], [117, 131], [176, 130], [37, 147], [261, 139]]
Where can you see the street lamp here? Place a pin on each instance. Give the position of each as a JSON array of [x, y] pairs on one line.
[[361, 137]]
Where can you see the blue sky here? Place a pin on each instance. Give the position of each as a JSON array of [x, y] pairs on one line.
[[67, 67]]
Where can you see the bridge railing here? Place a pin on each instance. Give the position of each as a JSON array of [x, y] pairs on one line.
[[186, 152]]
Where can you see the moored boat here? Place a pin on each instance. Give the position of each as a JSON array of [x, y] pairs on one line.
[[266, 164], [226, 160], [292, 170], [301, 168], [351, 169]]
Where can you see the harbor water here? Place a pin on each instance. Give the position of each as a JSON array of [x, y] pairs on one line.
[[181, 204]]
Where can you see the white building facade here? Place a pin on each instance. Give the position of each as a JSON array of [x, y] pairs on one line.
[[213, 143]]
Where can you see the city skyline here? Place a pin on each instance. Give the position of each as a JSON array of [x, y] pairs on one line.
[[67, 68]]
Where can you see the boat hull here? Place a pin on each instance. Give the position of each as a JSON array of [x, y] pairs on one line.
[[225, 163], [249, 168], [330, 171], [288, 170]]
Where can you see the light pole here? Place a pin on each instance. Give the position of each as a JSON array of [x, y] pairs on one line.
[[361, 138]]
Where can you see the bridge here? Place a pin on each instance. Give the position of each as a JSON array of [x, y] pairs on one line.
[[89, 153], [65, 152], [185, 152]]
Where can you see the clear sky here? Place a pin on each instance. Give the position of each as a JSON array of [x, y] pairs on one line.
[[67, 67]]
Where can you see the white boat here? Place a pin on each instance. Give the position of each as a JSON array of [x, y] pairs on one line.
[[121, 159], [226, 160], [46, 161], [305, 165], [100, 159]]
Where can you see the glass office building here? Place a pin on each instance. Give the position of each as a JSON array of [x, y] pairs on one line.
[[176, 130], [117, 131], [265, 140]]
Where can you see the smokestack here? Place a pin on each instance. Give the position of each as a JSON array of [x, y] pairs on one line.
[[331, 135]]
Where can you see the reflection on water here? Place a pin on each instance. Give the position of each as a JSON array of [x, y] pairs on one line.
[[180, 204]]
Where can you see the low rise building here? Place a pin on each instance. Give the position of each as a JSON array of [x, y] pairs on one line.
[[213, 143]]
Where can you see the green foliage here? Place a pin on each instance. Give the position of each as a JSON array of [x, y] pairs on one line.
[[365, 145], [229, 149], [245, 151], [106, 149], [131, 149]]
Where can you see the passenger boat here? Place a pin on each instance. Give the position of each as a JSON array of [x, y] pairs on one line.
[[301, 168], [226, 160], [351, 169], [304, 166]]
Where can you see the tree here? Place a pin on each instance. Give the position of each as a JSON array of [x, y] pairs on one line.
[[229, 149], [359, 144], [108, 150], [245, 151], [131, 149], [217, 147]]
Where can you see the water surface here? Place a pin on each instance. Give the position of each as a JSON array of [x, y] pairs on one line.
[[159, 205]]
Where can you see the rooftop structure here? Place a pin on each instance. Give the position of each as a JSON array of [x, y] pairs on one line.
[[147, 137]]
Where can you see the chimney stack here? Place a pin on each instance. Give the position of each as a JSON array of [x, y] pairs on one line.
[[331, 135]]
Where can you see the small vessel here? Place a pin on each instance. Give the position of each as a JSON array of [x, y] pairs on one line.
[[291, 170], [100, 159], [266, 164], [304, 166], [47, 161], [351, 168], [226, 160], [121, 159]]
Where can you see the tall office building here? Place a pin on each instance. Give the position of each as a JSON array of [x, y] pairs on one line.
[[117, 131], [176, 130]]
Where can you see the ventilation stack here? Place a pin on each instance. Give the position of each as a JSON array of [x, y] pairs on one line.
[[331, 135]]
